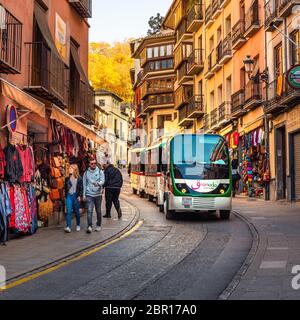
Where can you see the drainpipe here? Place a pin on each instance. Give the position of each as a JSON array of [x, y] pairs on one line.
[[266, 121]]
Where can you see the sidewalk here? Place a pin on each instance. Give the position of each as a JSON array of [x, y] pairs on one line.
[[275, 252], [49, 245]]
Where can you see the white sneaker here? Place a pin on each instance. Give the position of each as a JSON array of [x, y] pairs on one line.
[[89, 230], [98, 229], [78, 228], [68, 230]]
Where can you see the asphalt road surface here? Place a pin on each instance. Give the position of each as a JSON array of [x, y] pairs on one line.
[[191, 257]]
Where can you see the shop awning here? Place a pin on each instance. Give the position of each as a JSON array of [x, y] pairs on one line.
[[70, 122], [78, 65], [226, 130], [42, 21], [254, 125], [22, 98]]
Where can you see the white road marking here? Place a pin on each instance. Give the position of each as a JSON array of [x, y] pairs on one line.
[[273, 265]]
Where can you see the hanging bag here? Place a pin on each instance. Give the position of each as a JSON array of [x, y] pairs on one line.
[[54, 194]]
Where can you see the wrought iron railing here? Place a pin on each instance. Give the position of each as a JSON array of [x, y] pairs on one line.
[[238, 101], [195, 59], [47, 75], [252, 16], [10, 43]]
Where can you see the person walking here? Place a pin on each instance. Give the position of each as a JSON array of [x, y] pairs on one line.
[[93, 181], [235, 176], [113, 185], [73, 193]]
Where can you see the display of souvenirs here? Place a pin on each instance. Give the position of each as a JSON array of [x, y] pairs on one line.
[[253, 160], [32, 179]]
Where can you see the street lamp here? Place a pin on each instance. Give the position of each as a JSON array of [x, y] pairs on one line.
[[249, 65], [262, 76]]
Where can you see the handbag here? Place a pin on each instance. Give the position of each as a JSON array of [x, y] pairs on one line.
[[60, 183], [54, 194], [55, 172], [45, 209]]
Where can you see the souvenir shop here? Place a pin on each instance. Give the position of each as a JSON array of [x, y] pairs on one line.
[[18, 201], [249, 149], [35, 155]]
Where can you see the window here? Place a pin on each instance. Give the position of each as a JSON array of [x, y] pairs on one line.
[[162, 51], [169, 50], [170, 63], [294, 48], [157, 65], [101, 103], [149, 53], [155, 54], [164, 64]]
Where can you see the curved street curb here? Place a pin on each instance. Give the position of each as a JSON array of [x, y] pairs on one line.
[[250, 257], [74, 254]]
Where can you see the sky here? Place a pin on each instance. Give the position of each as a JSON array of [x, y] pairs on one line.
[[117, 20]]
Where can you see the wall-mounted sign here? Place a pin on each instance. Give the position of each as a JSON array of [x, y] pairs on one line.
[[11, 118], [293, 77], [62, 42]]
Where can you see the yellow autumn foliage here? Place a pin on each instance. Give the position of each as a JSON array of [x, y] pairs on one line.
[[109, 68]]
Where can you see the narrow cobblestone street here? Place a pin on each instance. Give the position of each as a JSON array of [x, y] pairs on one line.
[[154, 261]]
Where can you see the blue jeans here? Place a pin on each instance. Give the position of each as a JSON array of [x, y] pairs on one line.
[[91, 203], [72, 203]]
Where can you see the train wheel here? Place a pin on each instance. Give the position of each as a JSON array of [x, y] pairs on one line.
[[225, 214]]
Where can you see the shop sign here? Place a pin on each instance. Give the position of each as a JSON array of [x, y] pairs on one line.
[[11, 118], [293, 77]]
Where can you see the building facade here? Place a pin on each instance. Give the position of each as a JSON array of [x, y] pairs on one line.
[[153, 83], [47, 101], [256, 110], [115, 126]]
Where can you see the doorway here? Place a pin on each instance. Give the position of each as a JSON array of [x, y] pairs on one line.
[[280, 163]]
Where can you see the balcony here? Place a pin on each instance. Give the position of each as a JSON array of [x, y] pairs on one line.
[[182, 95], [214, 119], [252, 22], [224, 113], [165, 65], [156, 87], [208, 16], [216, 65], [281, 96], [182, 32], [159, 101], [238, 38], [272, 18], [11, 43], [225, 51], [195, 18], [184, 120], [47, 76], [84, 106], [195, 62], [209, 64], [181, 53], [140, 76], [206, 123], [224, 3], [182, 74], [83, 7], [216, 8], [140, 111], [238, 101], [195, 107], [253, 96], [286, 7]]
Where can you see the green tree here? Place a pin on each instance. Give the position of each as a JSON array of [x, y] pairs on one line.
[[109, 68], [155, 24]]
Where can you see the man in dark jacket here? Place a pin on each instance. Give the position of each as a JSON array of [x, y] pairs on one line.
[[113, 185]]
